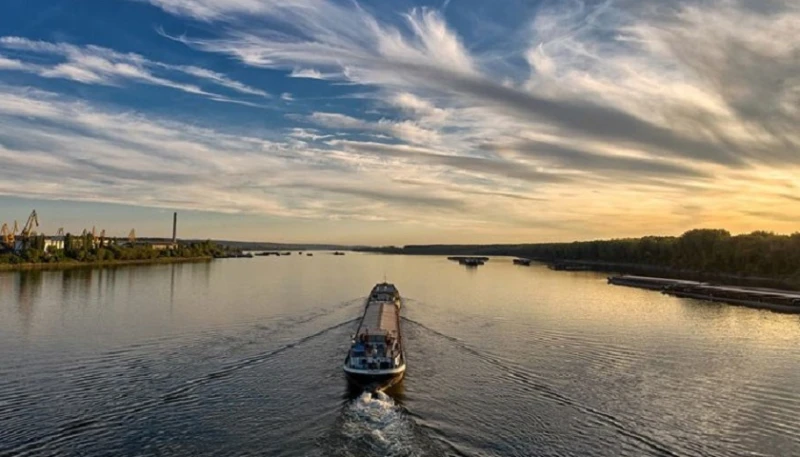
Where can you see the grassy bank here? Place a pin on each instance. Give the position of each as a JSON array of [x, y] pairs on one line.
[[99, 263]]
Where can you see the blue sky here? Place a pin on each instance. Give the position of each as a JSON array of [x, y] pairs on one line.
[[401, 122]]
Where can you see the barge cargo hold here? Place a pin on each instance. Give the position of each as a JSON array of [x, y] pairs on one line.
[[376, 358], [648, 282]]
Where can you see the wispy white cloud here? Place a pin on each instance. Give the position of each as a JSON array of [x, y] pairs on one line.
[[218, 78], [409, 131], [307, 134], [354, 47], [309, 73], [603, 72], [419, 108], [11, 64], [215, 9], [339, 121], [77, 148], [98, 65]]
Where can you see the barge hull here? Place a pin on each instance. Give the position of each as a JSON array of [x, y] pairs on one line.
[[786, 309], [783, 301], [374, 381]]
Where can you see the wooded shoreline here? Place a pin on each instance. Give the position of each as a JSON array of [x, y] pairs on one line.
[[758, 259]]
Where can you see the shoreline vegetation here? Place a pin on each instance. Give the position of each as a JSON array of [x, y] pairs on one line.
[[758, 259], [89, 251]]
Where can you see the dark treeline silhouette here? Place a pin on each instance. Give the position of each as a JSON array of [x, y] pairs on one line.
[[706, 251]]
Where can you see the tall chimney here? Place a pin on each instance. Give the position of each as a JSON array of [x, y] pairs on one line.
[[174, 227]]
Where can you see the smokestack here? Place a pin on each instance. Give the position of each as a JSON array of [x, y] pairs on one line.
[[174, 227]]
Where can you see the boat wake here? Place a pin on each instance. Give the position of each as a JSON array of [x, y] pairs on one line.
[[374, 420], [374, 424]]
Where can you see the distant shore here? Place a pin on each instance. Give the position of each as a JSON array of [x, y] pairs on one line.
[[619, 268], [100, 264], [672, 273]]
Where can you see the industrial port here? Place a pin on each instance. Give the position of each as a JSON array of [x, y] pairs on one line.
[[26, 245], [17, 240]]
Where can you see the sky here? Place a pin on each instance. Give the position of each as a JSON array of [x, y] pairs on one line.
[[376, 122]]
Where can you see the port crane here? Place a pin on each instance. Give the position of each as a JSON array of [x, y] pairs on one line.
[[9, 235], [30, 225]]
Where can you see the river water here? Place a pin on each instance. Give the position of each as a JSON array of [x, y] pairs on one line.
[[243, 357]]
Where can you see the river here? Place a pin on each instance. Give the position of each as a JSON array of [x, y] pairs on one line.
[[242, 357]]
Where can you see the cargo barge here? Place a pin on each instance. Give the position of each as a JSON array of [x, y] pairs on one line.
[[376, 358]]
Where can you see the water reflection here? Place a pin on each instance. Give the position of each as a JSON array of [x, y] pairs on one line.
[[172, 288], [29, 292], [75, 284]]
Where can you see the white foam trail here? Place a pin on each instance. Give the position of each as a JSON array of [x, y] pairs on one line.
[[376, 422]]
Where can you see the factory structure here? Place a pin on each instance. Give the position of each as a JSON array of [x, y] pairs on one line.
[[14, 238]]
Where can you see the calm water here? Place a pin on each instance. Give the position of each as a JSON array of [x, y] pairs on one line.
[[242, 357]]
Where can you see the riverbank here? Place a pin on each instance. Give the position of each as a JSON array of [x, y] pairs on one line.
[[672, 273], [100, 264]]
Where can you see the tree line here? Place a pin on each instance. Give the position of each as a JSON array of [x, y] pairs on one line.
[[756, 254]]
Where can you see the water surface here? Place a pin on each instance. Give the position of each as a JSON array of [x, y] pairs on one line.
[[243, 357]]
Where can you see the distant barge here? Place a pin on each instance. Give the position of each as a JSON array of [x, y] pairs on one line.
[[239, 255], [376, 357], [772, 299], [469, 261], [524, 262]]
